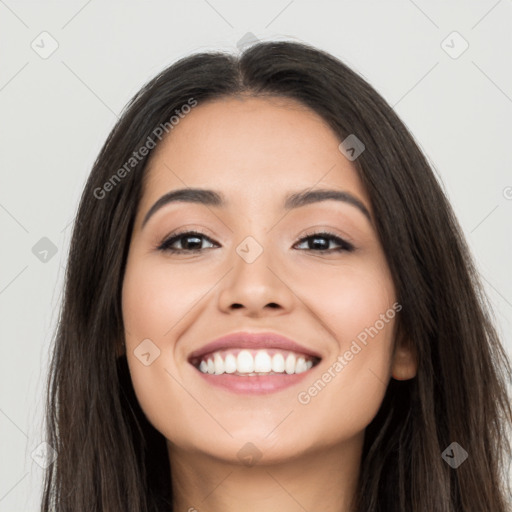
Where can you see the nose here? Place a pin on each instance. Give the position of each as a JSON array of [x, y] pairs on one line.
[[255, 289]]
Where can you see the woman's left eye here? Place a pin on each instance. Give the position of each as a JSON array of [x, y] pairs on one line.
[[321, 241], [191, 241]]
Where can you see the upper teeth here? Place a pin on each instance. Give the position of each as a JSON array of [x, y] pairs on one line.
[[255, 362]]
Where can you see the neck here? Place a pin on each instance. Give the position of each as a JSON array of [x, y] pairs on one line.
[[324, 480]]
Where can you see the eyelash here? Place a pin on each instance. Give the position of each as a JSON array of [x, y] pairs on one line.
[[345, 246]]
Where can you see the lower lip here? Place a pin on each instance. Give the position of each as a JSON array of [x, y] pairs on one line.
[[257, 384]]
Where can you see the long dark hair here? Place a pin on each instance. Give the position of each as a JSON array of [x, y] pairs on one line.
[[111, 458]]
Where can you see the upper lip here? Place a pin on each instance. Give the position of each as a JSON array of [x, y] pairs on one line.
[[249, 340]]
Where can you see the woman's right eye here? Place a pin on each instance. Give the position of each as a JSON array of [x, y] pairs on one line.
[[190, 241]]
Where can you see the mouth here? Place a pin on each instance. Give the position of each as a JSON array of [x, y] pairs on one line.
[[253, 362], [249, 363]]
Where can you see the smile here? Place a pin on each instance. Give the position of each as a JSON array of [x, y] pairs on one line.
[[253, 363], [250, 363]]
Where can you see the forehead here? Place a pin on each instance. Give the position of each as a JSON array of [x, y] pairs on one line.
[[254, 149]]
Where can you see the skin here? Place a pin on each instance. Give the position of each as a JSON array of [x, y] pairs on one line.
[[310, 453]]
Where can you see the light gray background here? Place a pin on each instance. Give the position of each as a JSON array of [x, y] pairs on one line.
[[56, 113]]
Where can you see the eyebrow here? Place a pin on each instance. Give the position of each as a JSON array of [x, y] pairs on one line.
[[292, 201]]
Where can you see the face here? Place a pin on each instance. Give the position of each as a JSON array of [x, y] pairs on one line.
[[311, 271]]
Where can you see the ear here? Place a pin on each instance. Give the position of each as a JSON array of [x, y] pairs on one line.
[[405, 359]]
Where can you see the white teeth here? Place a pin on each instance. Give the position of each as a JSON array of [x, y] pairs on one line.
[[245, 362], [260, 363], [219, 363], [289, 364], [229, 364], [278, 363], [301, 365]]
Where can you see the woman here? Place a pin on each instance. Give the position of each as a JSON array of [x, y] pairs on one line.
[[269, 305]]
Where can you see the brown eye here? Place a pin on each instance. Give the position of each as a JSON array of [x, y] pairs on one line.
[[319, 242], [190, 241]]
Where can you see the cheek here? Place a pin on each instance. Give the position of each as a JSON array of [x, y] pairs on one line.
[[356, 305], [158, 303], [155, 298], [351, 299]]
